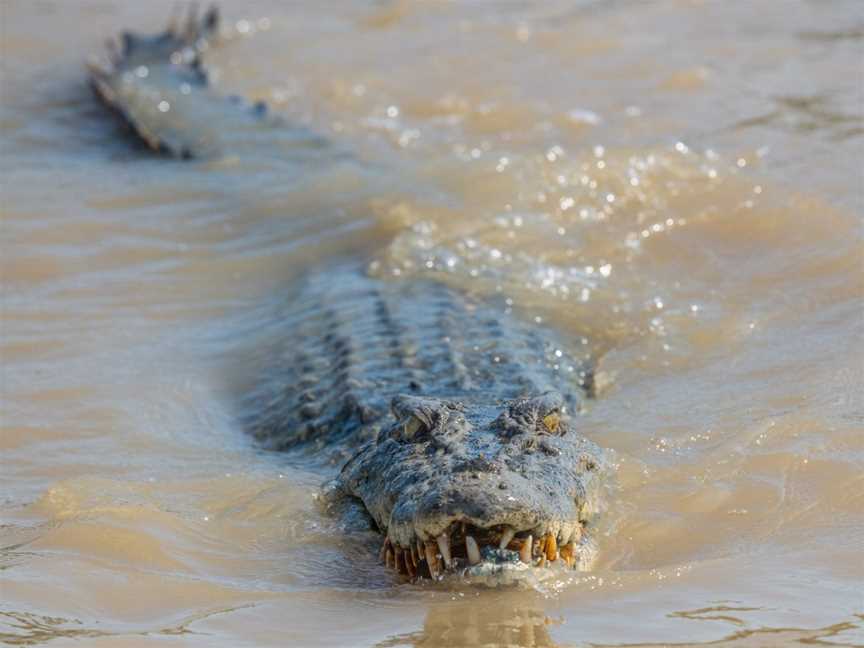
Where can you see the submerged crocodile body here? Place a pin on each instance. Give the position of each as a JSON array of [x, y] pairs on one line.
[[451, 418]]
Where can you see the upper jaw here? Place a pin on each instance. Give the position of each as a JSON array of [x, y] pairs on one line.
[[413, 508]]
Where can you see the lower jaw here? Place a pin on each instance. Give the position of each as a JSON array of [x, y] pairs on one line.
[[462, 549]]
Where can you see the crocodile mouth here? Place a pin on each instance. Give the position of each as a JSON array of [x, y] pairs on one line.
[[464, 547]]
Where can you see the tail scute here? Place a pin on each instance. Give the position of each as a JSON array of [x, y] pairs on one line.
[[180, 46]]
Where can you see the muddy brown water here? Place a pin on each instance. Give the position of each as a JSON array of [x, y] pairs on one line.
[[678, 182]]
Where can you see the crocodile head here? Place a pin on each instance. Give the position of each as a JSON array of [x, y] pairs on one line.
[[459, 487]]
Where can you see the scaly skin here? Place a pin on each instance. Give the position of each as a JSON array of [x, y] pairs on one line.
[[450, 417]]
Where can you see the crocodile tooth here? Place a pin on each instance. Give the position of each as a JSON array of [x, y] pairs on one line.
[[444, 546], [400, 562], [431, 558], [538, 545], [390, 560], [472, 549], [563, 536], [413, 551], [525, 551], [542, 561], [410, 567], [506, 537], [577, 534], [551, 548], [421, 551], [567, 554], [383, 553]]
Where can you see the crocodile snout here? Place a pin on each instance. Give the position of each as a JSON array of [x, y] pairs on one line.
[[452, 485]]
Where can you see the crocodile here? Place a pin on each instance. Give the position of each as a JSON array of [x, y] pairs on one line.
[[447, 419], [159, 87]]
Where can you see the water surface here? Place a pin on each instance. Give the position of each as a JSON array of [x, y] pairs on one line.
[[677, 182]]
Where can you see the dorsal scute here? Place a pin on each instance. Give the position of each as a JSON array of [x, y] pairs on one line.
[[370, 353]]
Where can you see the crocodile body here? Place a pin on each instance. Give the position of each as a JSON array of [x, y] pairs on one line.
[[357, 342], [450, 418], [448, 414]]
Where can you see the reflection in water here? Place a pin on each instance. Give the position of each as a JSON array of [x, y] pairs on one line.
[[473, 623], [508, 622]]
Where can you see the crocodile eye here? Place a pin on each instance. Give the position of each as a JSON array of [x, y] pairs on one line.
[[411, 427], [415, 416], [552, 422]]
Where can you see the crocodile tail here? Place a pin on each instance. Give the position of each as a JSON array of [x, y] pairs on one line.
[[181, 44], [138, 73]]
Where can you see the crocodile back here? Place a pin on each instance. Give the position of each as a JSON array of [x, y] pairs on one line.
[[352, 343]]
